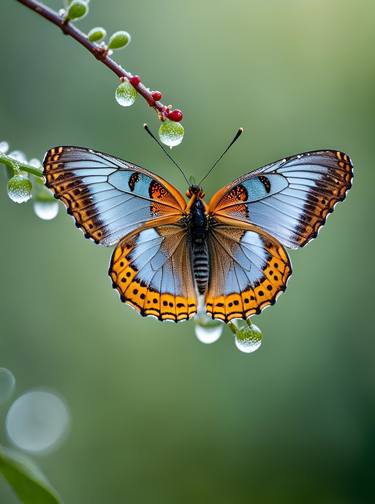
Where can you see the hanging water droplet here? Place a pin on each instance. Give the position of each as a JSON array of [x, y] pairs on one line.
[[207, 334], [125, 94], [248, 339], [35, 163], [4, 147], [7, 385], [37, 421], [207, 330], [171, 133], [18, 155], [19, 188], [46, 210]]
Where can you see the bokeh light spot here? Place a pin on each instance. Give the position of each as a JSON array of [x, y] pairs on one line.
[[37, 421]]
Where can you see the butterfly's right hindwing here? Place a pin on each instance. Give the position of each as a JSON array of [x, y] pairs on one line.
[[151, 269]]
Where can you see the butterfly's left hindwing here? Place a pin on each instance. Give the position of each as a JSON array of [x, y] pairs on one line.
[[249, 268], [108, 197], [151, 269]]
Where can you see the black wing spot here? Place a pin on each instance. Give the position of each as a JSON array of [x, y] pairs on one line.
[[133, 179], [266, 182]]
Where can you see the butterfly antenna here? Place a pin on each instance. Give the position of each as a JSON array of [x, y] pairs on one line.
[[165, 151], [236, 137]]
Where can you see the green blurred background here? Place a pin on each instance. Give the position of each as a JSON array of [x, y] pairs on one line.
[[158, 417]]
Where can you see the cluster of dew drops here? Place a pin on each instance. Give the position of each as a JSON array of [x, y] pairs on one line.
[[22, 186]]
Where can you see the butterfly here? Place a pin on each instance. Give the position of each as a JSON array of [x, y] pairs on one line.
[[174, 254]]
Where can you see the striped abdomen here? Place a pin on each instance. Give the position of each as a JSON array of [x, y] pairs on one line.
[[201, 267]]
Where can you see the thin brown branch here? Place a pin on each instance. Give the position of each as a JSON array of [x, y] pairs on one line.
[[100, 53]]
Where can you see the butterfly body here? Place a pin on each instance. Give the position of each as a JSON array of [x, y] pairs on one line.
[[230, 251], [198, 238]]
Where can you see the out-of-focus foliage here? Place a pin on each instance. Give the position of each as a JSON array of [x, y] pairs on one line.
[[157, 416], [28, 483]]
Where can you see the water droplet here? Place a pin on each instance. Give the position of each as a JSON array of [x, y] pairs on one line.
[[125, 94], [46, 210], [37, 421], [62, 12], [19, 188], [35, 163], [207, 334], [171, 133], [7, 385], [18, 156], [4, 147], [248, 339]]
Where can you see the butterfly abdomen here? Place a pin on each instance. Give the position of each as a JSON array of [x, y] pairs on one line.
[[198, 234], [201, 267]]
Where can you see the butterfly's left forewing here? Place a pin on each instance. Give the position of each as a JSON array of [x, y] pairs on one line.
[[291, 198], [108, 197]]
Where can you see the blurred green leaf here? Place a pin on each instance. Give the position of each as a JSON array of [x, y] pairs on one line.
[[26, 480]]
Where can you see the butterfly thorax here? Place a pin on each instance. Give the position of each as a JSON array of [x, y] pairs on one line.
[[198, 232]]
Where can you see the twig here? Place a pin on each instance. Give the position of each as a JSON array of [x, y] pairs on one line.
[[17, 165], [100, 53]]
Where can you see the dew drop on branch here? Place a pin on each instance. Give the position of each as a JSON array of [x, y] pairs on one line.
[[18, 155], [35, 163], [19, 188], [46, 210], [125, 94], [207, 334], [171, 133], [4, 147], [248, 339]]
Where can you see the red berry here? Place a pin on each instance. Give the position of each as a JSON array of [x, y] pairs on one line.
[[135, 80], [175, 115], [156, 95]]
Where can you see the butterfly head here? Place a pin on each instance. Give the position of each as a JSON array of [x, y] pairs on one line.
[[195, 190]]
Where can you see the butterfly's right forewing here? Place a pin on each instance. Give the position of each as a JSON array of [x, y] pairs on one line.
[[108, 197]]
